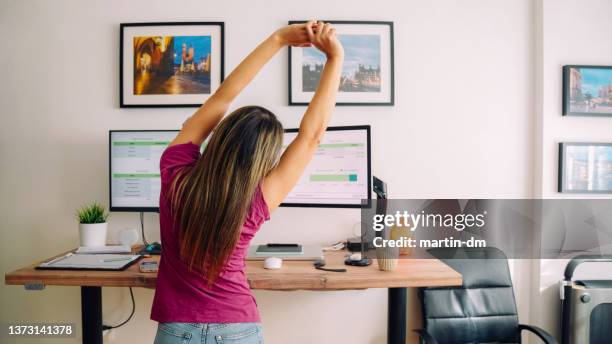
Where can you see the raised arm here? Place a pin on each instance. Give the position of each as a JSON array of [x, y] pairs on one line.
[[298, 154], [197, 128]]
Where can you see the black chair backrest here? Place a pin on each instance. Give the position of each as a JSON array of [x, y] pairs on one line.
[[482, 310]]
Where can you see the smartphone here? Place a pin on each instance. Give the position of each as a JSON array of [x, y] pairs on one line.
[[149, 266]]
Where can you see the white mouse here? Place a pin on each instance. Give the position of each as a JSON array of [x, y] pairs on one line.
[[355, 256], [273, 263]]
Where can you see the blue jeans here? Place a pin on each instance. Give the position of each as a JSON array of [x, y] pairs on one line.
[[188, 333]]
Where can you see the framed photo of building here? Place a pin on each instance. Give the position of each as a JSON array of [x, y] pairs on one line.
[[587, 90], [367, 72], [170, 64], [585, 167]]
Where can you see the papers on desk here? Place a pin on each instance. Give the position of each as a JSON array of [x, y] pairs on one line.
[[72, 261]]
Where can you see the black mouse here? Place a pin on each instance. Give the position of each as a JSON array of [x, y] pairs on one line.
[[153, 248]]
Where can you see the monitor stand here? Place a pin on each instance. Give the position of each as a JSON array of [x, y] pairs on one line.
[[356, 246], [149, 248], [380, 188], [360, 262]]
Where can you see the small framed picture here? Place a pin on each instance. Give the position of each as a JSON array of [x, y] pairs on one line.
[[170, 64], [585, 167], [367, 72], [587, 90]]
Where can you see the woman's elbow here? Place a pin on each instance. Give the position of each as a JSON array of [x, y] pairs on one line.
[[312, 139]]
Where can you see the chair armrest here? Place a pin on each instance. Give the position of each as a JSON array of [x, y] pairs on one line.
[[543, 335], [428, 338]]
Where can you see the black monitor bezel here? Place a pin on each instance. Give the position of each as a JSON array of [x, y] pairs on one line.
[[367, 128], [110, 168]]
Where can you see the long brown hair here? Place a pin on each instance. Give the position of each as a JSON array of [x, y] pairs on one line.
[[210, 200]]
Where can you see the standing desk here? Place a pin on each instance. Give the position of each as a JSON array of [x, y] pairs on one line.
[[294, 275]]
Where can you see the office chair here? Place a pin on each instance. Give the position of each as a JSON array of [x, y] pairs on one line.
[[482, 310]]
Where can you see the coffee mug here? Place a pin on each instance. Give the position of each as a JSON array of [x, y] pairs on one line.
[[387, 258]]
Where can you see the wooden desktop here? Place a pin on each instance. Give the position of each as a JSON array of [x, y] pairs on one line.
[[294, 275]]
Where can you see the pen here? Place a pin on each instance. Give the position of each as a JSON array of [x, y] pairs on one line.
[[114, 259], [58, 259]]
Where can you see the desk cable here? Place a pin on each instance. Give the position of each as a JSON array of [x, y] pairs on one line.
[[320, 263], [142, 232], [110, 327], [144, 239]]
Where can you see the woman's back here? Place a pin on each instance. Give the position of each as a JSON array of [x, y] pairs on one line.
[[182, 295]]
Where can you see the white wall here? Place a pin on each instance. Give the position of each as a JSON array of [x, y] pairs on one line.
[[570, 32], [462, 127]]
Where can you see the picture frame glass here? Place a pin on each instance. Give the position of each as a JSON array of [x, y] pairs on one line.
[[588, 91], [367, 71], [170, 64], [587, 168]]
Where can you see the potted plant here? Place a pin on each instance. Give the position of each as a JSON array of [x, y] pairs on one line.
[[92, 225]]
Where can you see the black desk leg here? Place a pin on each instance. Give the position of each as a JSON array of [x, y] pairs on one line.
[[91, 314], [397, 316]]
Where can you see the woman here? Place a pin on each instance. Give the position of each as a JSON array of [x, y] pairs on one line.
[[212, 205]]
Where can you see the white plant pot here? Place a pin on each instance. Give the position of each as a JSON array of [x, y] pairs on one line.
[[92, 234]]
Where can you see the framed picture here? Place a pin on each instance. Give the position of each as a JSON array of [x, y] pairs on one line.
[[585, 167], [170, 64], [587, 90], [367, 72]]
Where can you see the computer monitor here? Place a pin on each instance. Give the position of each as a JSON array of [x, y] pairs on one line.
[[135, 181], [338, 175]]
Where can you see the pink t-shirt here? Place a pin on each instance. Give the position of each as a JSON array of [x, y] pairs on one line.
[[182, 295]]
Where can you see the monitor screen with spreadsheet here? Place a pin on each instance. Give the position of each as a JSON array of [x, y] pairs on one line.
[[134, 168], [339, 174]]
